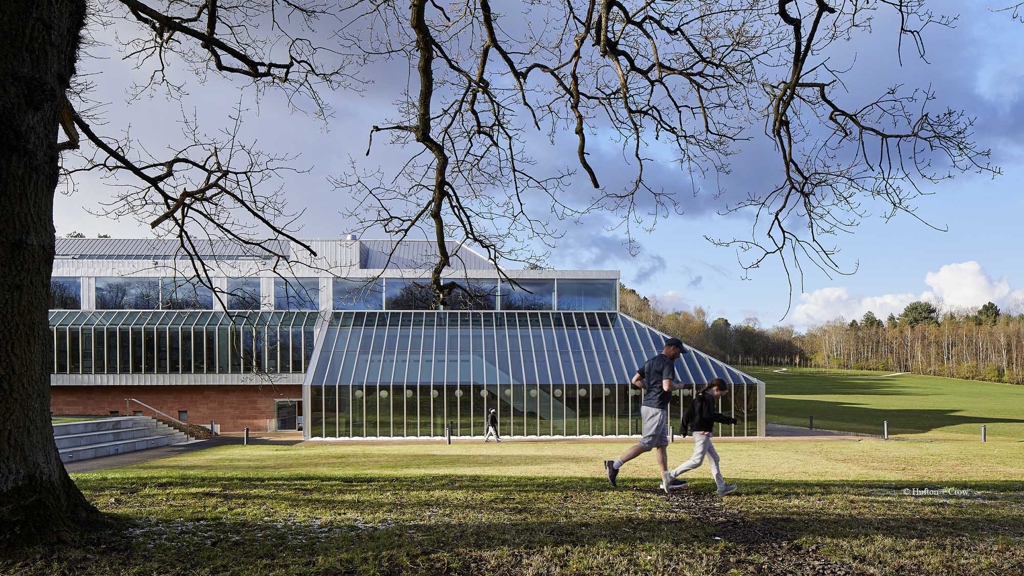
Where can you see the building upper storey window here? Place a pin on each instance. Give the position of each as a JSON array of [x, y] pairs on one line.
[[65, 293], [410, 295], [528, 295], [296, 293], [243, 294], [184, 294], [474, 295], [358, 294], [135, 293], [127, 293], [119, 293], [587, 294]]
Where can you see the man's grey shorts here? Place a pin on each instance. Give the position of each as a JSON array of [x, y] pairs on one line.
[[655, 427]]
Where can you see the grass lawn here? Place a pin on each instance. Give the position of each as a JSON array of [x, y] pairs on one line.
[[919, 406], [71, 419], [545, 508]]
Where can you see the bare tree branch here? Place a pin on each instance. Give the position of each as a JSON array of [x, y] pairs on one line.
[[688, 80]]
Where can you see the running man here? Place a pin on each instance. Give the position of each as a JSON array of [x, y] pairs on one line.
[[701, 417], [657, 378]]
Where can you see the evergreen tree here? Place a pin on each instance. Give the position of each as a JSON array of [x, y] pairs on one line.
[[919, 312]]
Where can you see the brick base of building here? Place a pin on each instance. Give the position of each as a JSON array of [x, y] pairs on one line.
[[233, 408]]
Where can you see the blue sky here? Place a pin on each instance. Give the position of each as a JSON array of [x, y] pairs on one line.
[[976, 66]]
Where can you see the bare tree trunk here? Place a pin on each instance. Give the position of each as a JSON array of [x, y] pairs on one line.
[[37, 56]]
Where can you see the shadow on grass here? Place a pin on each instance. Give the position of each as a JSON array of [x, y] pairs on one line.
[[857, 418], [837, 385], [471, 524], [272, 441]]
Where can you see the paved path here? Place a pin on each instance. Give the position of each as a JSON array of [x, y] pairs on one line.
[[141, 456], [784, 431], [775, 432]]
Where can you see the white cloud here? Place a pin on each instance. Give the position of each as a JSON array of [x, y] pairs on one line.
[[967, 285], [831, 303], [954, 286], [670, 301]]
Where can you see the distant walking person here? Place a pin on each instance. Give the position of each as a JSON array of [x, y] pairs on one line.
[[657, 378], [492, 426], [701, 417]]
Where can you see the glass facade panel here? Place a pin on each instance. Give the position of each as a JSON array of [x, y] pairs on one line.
[[474, 295], [358, 294], [587, 294], [65, 293], [243, 294], [639, 351], [180, 342], [528, 295], [127, 293], [296, 293], [185, 294], [409, 295]]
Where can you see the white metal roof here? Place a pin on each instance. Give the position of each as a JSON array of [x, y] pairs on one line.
[[417, 255], [161, 249], [366, 254]]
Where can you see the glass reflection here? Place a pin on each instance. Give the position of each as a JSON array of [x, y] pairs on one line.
[[127, 293], [65, 293], [243, 294], [587, 294], [296, 293], [358, 294], [528, 295]]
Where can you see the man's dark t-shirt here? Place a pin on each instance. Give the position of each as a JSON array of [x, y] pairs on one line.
[[492, 420], [653, 372]]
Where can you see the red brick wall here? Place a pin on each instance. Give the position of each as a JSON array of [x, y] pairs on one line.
[[232, 407]]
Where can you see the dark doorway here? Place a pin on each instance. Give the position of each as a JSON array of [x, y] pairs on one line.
[[289, 416]]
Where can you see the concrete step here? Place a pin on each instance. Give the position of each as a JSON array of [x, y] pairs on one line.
[[96, 438], [105, 436], [116, 423], [79, 453]]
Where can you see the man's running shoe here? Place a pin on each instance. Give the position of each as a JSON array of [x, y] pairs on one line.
[[613, 472]]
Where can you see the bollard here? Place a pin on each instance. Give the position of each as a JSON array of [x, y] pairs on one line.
[[245, 438], [672, 431], [885, 429], [448, 434], [983, 434], [211, 428], [812, 422]]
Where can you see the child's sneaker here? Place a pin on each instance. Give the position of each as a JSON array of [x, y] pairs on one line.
[[727, 489]]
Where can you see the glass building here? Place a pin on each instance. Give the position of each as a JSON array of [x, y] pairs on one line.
[[547, 373], [354, 343]]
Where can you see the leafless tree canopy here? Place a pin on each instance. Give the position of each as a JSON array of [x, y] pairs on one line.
[[494, 88], [1015, 10]]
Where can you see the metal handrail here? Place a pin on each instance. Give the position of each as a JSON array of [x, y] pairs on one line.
[[127, 406]]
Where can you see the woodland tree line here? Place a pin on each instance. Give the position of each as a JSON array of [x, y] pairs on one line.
[[982, 344]]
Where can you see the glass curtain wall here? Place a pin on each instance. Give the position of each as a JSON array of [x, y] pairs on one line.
[[243, 294], [65, 293], [412, 373], [181, 342]]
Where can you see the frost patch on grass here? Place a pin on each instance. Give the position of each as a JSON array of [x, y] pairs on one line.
[[189, 532]]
